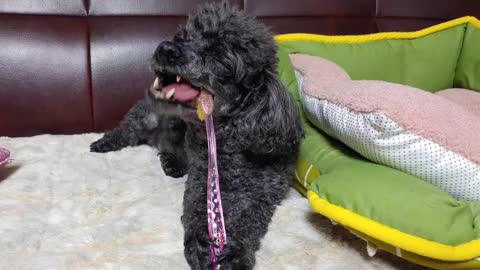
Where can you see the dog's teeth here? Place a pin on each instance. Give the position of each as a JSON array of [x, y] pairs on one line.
[[160, 95], [178, 78], [156, 83], [170, 93]]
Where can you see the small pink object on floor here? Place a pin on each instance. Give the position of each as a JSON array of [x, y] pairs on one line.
[[4, 156]]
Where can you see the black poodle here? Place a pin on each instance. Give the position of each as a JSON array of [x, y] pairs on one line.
[[232, 56]]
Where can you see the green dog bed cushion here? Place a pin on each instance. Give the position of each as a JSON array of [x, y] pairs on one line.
[[391, 209]]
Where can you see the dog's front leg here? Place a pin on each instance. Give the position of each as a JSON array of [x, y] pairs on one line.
[[128, 133], [170, 142], [245, 222], [194, 220], [196, 244], [132, 131]]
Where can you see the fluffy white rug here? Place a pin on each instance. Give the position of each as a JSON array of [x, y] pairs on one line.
[[62, 207]]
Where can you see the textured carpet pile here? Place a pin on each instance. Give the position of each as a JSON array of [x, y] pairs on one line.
[[62, 207]]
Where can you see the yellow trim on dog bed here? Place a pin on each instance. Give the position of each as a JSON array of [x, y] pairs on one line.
[[392, 236], [473, 264], [377, 36]]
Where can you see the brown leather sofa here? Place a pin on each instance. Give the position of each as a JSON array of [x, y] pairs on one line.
[[78, 65]]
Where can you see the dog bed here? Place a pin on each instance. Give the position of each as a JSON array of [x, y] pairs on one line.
[[391, 209]]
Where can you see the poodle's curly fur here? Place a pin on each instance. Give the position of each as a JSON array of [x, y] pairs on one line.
[[233, 56]]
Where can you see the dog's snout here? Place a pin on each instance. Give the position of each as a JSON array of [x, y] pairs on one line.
[[168, 47], [167, 53]]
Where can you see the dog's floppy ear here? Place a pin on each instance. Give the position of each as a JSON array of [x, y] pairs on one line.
[[271, 125]]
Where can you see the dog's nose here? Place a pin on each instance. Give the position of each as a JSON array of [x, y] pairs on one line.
[[167, 53]]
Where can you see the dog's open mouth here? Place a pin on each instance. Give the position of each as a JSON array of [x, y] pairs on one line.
[[181, 92]]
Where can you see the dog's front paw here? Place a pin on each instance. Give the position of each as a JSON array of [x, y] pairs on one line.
[[236, 256], [102, 145], [197, 245], [106, 144], [172, 166]]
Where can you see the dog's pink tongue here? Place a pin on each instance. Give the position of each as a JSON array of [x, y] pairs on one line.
[[183, 92]]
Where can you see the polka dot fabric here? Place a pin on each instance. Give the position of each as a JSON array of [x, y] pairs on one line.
[[378, 138]]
